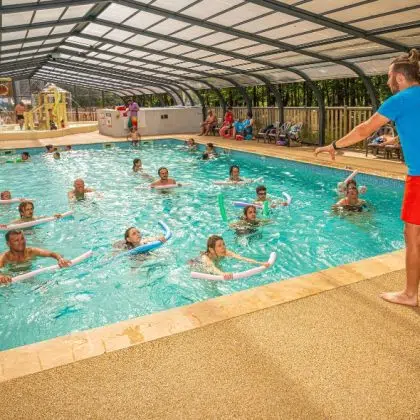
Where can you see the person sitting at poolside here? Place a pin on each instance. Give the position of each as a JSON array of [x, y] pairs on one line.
[[56, 155], [243, 128], [261, 191], [208, 123], [50, 148], [191, 144], [26, 211], [234, 174], [216, 251], [25, 157], [351, 201], [133, 239], [227, 123], [18, 253], [163, 178], [79, 191]]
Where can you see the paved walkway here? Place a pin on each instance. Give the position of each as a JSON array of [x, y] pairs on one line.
[[341, 354]]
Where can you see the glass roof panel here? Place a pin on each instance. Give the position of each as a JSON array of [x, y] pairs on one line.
[[207, 8], [118, 35], [266, 22], [140, 40], [173, 5], [9, 36], [217, 58], [38, 32], [168, 26], [52, 40], [143, 20], [95, 29], [236, 44], [14, 2], [47, 15], [241, 13], [384, 21], [215, 38], [313, 37], [180, 49], [119, 50], [10, 19], [192, 33], [62, 29], [13, 46], [407, 37], [256, 49], [77, 11], [116, 13], [161, 45], [324, 6], [198, 54]]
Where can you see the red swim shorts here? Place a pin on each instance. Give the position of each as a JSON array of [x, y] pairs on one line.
[[410, 212]]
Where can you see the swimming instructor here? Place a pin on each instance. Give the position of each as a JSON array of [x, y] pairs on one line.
[[402, 108]]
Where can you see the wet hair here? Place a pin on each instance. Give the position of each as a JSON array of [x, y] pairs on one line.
[[211, 242], [408, 65], [260, 188], [246, 208], [23, 205], [49, 146], [57, 155], [161, 168], [211, 145], [352, 181], [126, 234], [26, 154], [205, 156], [12, 232], [136, 160], [232, 168], [3, 193], [68, 147], [191, 140]]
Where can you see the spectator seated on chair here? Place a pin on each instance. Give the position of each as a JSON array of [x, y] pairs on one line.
[[244, 128], [377, 141], [226, 129], [208, 124]]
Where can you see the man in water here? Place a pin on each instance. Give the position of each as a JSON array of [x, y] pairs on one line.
[[5, 195], [18, 253], [164, 178], [26, 211], [402, 108], [79, 191]]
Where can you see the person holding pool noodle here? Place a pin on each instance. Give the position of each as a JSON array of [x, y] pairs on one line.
[[402, 108]]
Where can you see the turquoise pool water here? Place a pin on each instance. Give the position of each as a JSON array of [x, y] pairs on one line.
[[307, 236]]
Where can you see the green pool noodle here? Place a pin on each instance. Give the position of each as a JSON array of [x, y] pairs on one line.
[[221, 200], [266, 208]]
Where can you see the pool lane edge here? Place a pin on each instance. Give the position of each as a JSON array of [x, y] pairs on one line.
[[77, 346]]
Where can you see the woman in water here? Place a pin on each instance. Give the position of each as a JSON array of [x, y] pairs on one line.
[[216, 251], [234, 174], [351, 201], [248, 222], [192, 145], [133, 239]]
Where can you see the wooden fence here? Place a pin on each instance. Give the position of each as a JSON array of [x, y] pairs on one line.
[[338, 120]]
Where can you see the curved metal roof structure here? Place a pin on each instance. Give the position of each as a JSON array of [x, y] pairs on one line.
[[172, 46]]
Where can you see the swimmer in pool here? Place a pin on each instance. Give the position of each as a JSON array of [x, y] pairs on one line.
[[56, 155], [79, 191], [234, 174], [191, 144], [26, 211], [163, 178], [216, 251], [138, 168], [5, 195], [261, 191], [249, 220], [133, 239], [210, 150], [341, 187], [351, 201], [50, 148], [25, 157], [18, 253]]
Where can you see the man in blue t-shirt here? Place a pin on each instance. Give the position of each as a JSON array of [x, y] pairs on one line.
[[403, 108]]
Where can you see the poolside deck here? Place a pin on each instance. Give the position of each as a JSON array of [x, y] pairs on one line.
[[341, 354]]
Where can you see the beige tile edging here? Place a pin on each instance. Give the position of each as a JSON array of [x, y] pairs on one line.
[[77, 346]]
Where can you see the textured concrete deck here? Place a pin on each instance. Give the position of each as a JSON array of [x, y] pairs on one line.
[[341, 354]]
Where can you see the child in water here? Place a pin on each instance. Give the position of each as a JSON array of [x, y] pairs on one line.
[[216, 251]]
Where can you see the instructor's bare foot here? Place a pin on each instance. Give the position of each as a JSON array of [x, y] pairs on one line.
[[400, 297]]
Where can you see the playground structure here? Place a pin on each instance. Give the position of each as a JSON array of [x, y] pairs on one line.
[[49, 109]]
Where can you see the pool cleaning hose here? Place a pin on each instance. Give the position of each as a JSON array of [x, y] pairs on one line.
[[221, 201]]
